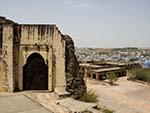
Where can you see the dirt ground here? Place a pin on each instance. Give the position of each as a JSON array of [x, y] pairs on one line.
[[20, 104], [41, 97], [124, 97]]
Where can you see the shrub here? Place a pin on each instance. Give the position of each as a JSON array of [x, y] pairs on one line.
[[88, 97], [112, 78], [140, 74], [105, 110]]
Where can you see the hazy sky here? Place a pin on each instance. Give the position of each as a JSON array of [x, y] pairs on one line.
[[91, 23]]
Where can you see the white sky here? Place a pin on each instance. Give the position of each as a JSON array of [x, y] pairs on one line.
[[91, 23]]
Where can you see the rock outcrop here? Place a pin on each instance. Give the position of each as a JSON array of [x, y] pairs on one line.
[[74, 79]]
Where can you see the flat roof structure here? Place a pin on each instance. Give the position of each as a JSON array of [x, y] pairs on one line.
[[107, 69], [90, 65]]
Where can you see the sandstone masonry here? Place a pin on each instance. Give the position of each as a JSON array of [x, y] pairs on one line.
[[26, 48]]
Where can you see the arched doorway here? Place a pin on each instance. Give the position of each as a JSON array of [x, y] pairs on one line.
[[35, 73]]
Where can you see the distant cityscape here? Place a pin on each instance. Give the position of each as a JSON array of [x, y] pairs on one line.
[[125, 55]]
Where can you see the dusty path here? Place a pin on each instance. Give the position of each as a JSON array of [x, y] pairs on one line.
[[126, 97], [20, 104], [48, 100]]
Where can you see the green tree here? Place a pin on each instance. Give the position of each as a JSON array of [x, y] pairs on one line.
[[112, 77]]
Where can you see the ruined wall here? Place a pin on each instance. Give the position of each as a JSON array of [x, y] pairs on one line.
[[59, 56], [6, 54], [74, 79], [1, 30], [6, 81], [1, 35], [36, 34], [36, 39], [16, 43], [19, 41], [2, 20], [47, 41]]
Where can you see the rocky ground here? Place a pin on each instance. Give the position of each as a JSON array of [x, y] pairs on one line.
[[124, 97], [66, 105]]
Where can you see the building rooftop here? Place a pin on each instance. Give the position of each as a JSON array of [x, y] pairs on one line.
[[107, 69], [146, 64], [90, 65]]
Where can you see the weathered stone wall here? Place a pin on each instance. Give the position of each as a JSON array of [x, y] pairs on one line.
[[59, 56], [36, 39], [6, 81], [36, 34], [2, 20], [19, 41], [75, 82], [16, 43], [1, 30], [0, 74], [1, 35], [6, 54], [45, 40]]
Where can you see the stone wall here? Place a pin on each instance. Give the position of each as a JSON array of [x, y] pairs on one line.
[[74, 79], [7, 58], [6, 54], [34, 39], [59, 56], [1, 30], [1, 34], [19, 41], [0, 73]]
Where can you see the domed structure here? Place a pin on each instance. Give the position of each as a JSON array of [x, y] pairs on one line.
[[146, 64]]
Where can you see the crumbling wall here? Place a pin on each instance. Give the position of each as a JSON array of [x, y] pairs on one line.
[[1, 34], [36, 39], [59, 57], [1, 30], [18, 41], [6, 54], [2, 20], [7, 59], [74, 79]]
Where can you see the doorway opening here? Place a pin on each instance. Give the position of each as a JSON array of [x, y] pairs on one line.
[[35, 73]]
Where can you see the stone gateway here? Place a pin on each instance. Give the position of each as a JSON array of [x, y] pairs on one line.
[[37, 57]]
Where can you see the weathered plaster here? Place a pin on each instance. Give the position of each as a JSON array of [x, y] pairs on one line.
[[19, 41]]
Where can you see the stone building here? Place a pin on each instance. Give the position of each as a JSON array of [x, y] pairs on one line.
[[33, 57], [101, 72]]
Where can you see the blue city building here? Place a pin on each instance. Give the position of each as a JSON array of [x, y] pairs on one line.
[[146, 64]]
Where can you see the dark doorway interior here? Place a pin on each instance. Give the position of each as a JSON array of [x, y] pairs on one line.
[[35, 73]]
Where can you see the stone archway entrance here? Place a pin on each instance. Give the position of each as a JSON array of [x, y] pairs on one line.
[[35, 73]]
